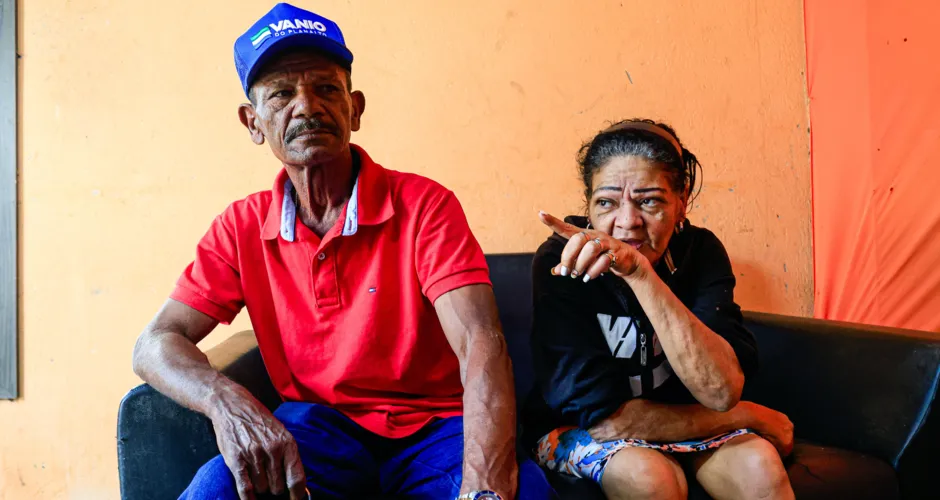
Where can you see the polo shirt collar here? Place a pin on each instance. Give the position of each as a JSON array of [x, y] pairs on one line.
[[370, 202]]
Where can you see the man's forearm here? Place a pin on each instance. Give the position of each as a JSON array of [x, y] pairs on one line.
[[175, 367], [489, 417], [660, 422]]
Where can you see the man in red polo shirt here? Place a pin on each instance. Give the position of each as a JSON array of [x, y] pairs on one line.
[[369, 297]]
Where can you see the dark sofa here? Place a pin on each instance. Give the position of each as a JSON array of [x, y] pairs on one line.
[[860, 398]]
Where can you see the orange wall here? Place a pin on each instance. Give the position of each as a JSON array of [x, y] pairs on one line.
[[130, 145]]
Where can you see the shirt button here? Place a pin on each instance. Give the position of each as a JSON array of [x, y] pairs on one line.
[[321, 256]]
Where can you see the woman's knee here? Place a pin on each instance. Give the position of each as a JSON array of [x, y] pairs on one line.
[[759, 469], [643, 473]]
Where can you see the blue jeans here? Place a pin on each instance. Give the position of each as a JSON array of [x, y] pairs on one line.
[[343, 460]]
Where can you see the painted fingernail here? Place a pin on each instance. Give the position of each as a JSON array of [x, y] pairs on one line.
[[587, 277], [574, 273], [564, 271]]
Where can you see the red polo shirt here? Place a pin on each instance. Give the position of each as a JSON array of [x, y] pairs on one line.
[[347, 320]]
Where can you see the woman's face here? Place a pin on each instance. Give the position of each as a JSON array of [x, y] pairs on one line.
[[632, 200]]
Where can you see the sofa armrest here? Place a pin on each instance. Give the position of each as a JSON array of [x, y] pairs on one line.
[[858, 387], [161, 445]]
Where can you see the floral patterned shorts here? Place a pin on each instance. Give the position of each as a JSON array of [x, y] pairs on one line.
[[571, 450]]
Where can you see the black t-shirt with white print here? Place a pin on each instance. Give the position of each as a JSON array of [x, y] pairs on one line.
[[593, 346]]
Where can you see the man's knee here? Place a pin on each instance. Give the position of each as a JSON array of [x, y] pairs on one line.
[[643, 473], [213, 481], [759, 469]]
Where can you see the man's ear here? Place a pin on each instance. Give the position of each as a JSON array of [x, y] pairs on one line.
[[249, 118], [358, 107]]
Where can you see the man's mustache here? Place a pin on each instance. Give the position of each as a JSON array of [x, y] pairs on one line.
[[305, 126]]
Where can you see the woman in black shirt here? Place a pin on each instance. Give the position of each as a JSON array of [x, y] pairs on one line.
[[640, 350]]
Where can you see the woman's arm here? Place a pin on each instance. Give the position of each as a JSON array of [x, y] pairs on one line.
[[660, 422], [702, 359]]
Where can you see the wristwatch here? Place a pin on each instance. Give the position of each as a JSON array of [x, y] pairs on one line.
[[480, 495]]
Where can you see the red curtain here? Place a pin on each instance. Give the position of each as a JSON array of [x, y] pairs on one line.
[[873, 75]]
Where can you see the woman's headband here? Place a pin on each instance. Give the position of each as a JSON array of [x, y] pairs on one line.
[[648, 127]]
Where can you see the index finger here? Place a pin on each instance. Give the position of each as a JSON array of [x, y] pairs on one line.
[[561, 227]]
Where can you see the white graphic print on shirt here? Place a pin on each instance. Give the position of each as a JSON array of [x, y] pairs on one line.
[[621, 336]]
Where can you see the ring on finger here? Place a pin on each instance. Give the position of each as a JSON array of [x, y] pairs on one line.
[[613, 258]]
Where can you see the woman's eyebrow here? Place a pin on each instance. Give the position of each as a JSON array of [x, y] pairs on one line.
[[608, 188]]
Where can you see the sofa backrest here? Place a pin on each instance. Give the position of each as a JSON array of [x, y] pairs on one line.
[[863, 388], [511, 275]]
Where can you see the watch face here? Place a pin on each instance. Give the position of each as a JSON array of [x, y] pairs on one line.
[[487, 495]]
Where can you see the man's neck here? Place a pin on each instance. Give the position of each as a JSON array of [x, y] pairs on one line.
[[322, 191]]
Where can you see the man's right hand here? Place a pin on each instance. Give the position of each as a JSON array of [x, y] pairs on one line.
[[259, 451], [772, 426]]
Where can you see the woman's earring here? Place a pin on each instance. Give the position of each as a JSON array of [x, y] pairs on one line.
[[680, 226], [589, 225]]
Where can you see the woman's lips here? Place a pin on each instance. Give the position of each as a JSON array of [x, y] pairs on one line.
[[634, 243]]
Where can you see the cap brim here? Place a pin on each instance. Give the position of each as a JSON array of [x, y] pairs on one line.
[[338, 53]]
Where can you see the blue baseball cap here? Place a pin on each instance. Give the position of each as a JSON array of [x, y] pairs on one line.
[[287, 27]]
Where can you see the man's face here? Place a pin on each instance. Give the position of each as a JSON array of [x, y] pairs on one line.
[[303, 107]]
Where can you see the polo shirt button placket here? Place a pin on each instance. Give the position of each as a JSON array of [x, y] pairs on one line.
[[325, 285]]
